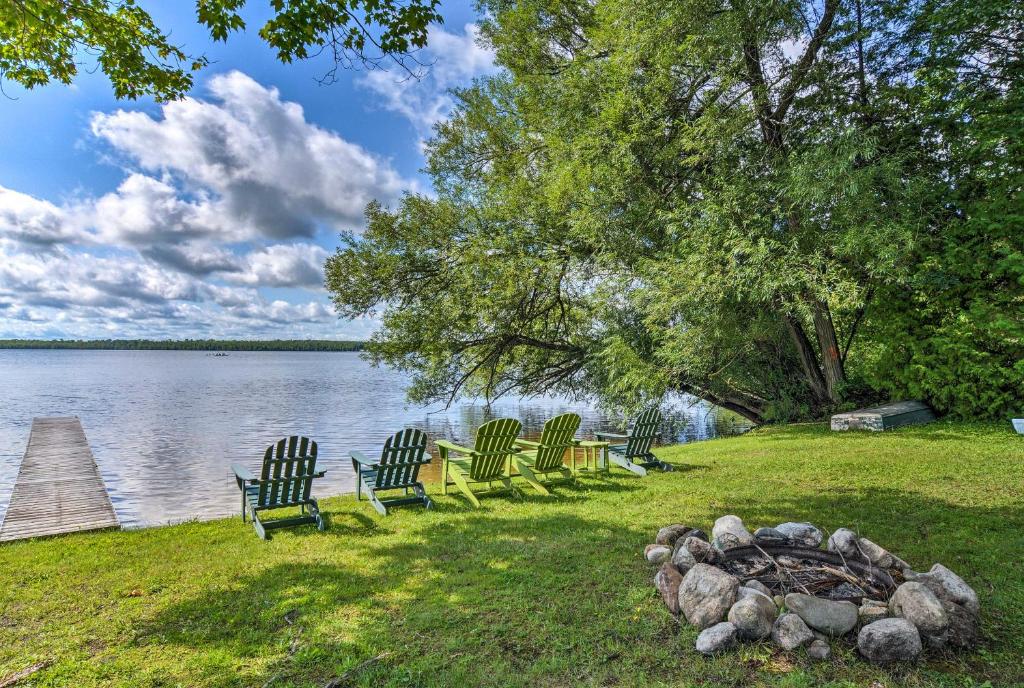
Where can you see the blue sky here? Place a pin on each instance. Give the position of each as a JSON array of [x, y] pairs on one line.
[[211, 216]]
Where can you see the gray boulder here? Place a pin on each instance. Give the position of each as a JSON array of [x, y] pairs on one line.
[[683, 559], [730, 532], [819, 650], [759, 586], [828, 616], [871, 611], [790, 632], [844, 542], [657, 554], [803, 534], [770, 536], [701, 550], [888, 641], [667, 581], [948, 586], [669, 534], [877, 555], [717, 638], [706, 594], [917, 604], [963, 626], [752, 615]]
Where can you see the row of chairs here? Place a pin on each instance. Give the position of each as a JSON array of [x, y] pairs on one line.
[[289, 466]]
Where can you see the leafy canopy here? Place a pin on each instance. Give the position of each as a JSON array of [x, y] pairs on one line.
[[47, 40], [722, 198]]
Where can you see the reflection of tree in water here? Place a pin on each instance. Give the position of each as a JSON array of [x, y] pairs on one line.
[[685, 419]]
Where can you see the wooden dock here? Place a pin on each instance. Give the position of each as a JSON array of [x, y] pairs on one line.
[[59, 488]]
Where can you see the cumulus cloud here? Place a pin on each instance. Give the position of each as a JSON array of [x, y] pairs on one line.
[[33, 221], [211, 231], [268, 170], [454, 59]]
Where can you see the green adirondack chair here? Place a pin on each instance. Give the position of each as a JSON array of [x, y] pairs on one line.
[[633, 451], [489, 461], [398, 469], [538, 460], [289, 468]]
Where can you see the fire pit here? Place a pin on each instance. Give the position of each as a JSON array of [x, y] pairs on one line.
[[779, 583]]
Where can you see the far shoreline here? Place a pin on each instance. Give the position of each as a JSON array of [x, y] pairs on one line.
[[186, 344]]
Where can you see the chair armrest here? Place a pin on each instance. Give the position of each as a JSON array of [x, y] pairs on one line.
[[242, 473], [610, 435], [527, 443], [451, 446], [319, 474], [361, 458], [591, 443]]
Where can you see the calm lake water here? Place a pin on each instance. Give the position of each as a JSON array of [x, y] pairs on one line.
[[165, 426]]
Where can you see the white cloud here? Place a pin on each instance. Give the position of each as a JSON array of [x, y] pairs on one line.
[[266, 170], [295, 265], [209, 233], [453, 60], [30, 220]]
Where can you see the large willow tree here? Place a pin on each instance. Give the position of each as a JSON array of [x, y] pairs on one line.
[[692, 195]]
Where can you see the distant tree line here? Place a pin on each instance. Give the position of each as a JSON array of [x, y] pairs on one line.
[[185, 344]]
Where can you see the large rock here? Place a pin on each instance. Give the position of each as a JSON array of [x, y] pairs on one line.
[[667, 581], [752, 615], [759, 586], [730, 532], [683, 559], [803, 534], [828, 616], [719, 637], [963, 626], [790, 632], [701, 550], [669, 534], [876, 554], [706, 594], [917, 604], [657, 554], [770, 536], [888, 641], [844, 542], [949, 587], [871, 611], [819, 650]]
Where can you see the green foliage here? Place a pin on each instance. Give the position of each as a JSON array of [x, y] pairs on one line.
[[186, 344], [954, 328], [655, 197], [43, 41], [527, 592]]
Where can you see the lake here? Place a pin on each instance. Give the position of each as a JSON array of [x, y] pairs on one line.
[[165, 426]]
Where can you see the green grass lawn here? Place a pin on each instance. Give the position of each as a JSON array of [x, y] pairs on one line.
[[530, 592]]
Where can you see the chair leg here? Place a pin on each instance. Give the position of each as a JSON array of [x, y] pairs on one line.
[[260, 530], [627, 464], [531, 477], [422, 494], [314, 510], [371, 494], [461, 483]]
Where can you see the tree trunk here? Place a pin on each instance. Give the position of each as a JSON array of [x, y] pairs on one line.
[[831, 357], [808, 359]]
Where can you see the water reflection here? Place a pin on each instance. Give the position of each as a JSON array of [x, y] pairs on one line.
[[166, 425]]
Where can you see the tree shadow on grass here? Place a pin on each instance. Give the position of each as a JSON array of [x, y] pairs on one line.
[[515, 598]]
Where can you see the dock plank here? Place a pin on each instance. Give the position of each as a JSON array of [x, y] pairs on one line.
[[59, 489]]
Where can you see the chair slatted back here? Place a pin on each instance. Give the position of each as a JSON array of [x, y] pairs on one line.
[[644, 430], [494, 444], [559, 434], [401, 459], [288, 468]]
